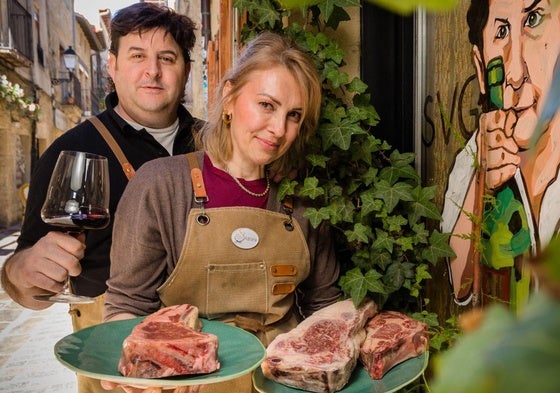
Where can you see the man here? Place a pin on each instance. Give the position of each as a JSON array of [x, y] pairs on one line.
[[516, 45], [149, 64]]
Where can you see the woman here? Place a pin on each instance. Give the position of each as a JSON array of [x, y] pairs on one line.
[[234, 251]]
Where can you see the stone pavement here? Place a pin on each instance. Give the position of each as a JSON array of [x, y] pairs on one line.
[[27, 339]]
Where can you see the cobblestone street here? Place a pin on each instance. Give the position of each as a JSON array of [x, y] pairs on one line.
[[27, 339]]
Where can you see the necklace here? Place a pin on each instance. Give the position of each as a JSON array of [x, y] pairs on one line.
[[249, 191]]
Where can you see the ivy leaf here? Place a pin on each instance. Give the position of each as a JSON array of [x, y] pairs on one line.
[[357, 86], [373, 281], [395, 223], [337, 78], [407, 243], [394, 173], [363, 101], [395, 275], [422, 206], [391, 195], [338, 134], [370, 176], [338, 15], [429, 318], [402, 159], [382, 259], [340, 210], [286, 187], [311, 188], [365, 149], [360, 233], [315, 42], [354, 284], [317, 160], [421, 233], [330, 7], [334, 113], [315, 216], [333, 134], [383, 241], [438, 248], [263, 11], [369, 202]]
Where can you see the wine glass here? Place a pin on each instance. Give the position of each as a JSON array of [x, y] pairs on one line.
[[77, 199]]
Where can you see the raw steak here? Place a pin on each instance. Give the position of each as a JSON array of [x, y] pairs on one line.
[[392, 338], [320, 353], [168, 343]]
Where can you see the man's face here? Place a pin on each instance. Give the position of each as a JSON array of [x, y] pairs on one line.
[[526, 34], [150, 75]]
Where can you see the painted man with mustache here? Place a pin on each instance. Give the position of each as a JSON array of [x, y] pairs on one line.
[[516, 44]]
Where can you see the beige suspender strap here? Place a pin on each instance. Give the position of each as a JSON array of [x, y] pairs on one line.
[[128, 169]]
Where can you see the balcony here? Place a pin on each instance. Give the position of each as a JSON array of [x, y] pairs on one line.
[[16, 44]]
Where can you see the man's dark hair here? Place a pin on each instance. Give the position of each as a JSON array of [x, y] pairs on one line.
[[141, 17], [477, 17]]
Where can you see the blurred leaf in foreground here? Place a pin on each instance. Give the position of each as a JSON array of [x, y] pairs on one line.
[[506, 354], [397, 6]]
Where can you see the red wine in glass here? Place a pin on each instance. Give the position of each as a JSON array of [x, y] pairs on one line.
[[77, 200]]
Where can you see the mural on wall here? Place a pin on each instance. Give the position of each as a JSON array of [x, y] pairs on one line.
[[503, 192]]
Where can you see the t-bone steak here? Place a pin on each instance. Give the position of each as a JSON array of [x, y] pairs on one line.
[[168, 342], [392, 337], [320, 353]]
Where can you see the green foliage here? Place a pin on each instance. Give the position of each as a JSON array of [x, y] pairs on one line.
[[370, 193], [506, 354]]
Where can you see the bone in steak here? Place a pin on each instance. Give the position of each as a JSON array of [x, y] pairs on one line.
[[320, 353], [392, 337], [169, 343]]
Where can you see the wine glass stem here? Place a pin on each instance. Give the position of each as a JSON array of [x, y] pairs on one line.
[[66, 288]]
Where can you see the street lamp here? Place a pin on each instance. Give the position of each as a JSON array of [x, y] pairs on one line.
[[70, 63]]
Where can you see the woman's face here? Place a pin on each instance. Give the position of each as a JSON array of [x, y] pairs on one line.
[[266, 117]]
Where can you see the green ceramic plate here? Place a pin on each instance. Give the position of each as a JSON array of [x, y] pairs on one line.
[[396, 378], [95, 352]]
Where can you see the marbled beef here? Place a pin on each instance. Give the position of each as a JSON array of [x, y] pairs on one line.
[[169, 343], [392, 337], [320, 353]]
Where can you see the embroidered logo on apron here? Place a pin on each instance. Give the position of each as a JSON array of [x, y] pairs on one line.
[[244, 238]]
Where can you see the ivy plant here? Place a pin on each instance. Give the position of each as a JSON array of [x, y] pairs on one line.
[[370, 193]]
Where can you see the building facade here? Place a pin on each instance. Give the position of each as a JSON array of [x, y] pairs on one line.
[[33, 38]]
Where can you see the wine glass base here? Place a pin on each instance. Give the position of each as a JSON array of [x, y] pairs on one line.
[[64, 298]]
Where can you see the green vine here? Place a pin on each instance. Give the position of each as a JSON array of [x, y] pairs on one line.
[[370, 193], [14, 97]]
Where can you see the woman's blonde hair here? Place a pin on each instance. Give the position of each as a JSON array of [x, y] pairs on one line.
[[265, 51]]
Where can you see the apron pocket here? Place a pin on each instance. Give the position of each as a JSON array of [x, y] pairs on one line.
[[234, 288]]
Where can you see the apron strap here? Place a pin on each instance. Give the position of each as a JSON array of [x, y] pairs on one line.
[[197, 180], [128, 169], [200, 195]]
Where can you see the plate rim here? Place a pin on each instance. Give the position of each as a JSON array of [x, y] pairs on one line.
[[167, 382], [425, 355]]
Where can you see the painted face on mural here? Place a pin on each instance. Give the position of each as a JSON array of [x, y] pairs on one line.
[[526, 34]]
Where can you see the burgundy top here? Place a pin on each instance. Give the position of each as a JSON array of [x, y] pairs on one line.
[[223, 191]]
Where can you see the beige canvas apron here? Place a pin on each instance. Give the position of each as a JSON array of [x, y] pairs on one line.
[[242, 268], [83, 316]]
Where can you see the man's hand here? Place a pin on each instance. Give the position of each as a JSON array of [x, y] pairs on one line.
[[43, 268], [501, 149]]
